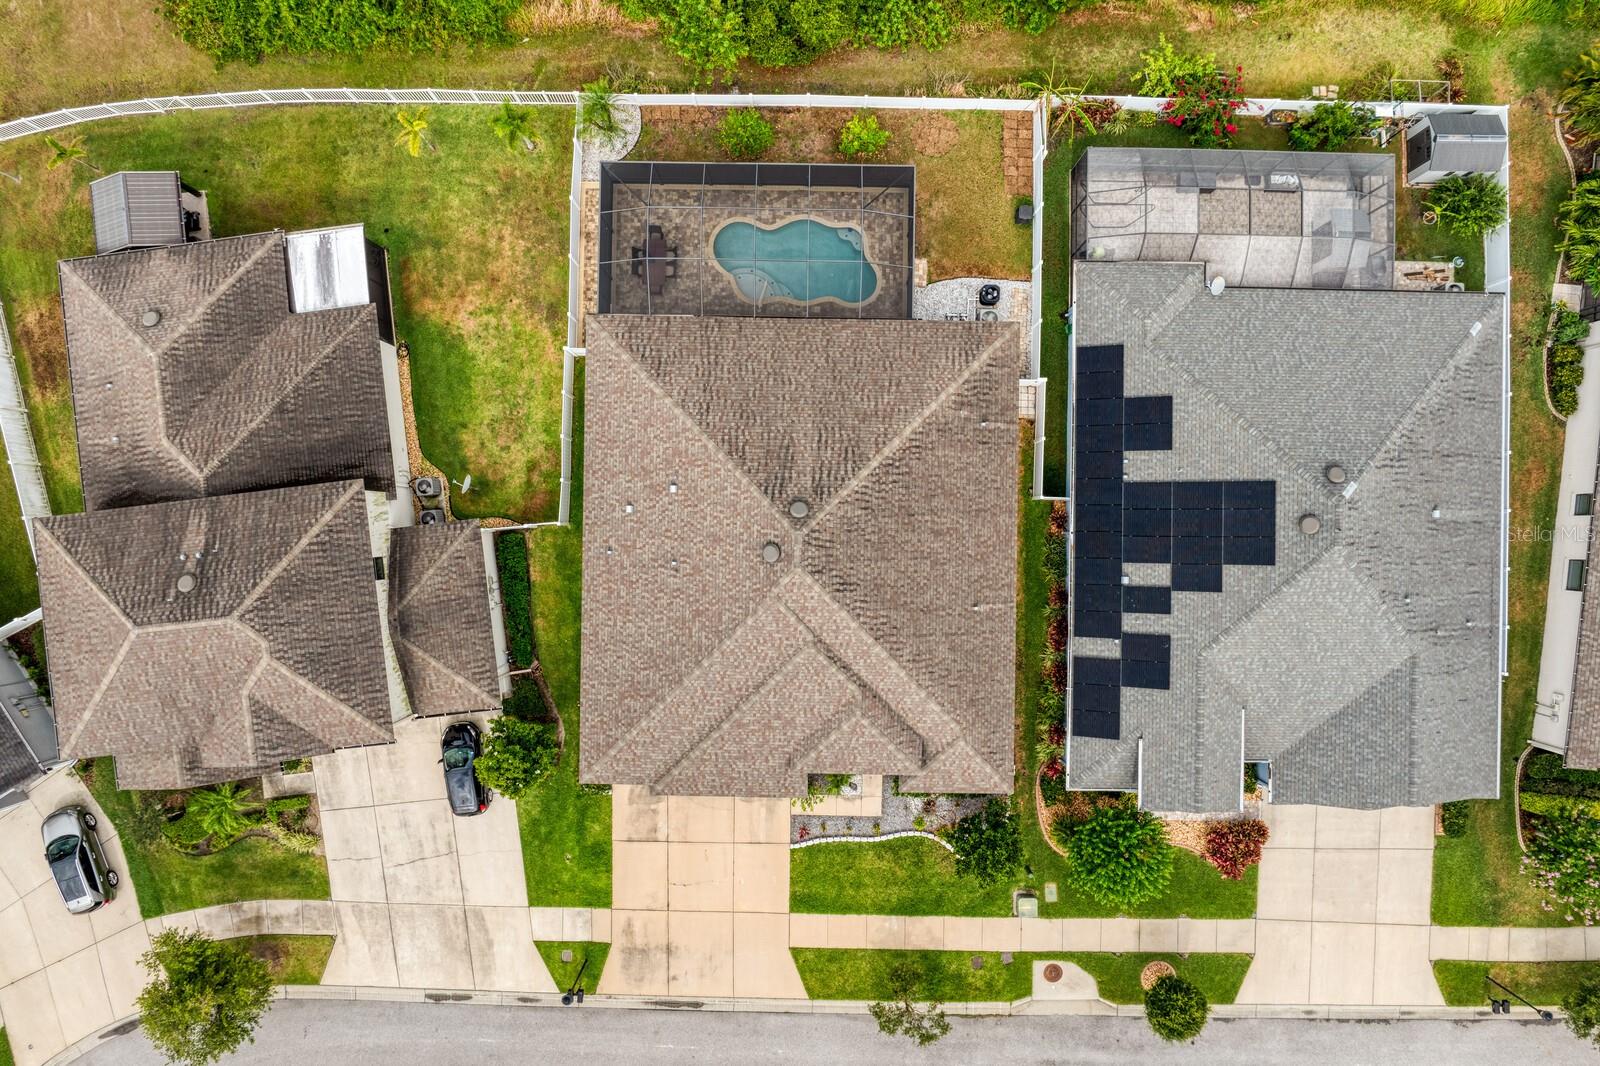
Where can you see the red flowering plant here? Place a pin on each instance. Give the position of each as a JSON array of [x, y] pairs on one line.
[[1234, 846], [1205, 106]]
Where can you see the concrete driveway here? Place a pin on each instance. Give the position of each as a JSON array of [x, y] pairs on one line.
[[1343, 908], [424, 899], [62, 976], [700, 897]]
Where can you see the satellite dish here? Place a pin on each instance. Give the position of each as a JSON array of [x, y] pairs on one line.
[[465, 484]]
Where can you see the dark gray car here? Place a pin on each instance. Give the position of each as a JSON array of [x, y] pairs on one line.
[[462, 745], [77, 861]]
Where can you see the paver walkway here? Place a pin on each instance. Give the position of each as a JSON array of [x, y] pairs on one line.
[[700, 897], [1343, 908], [412, 883]]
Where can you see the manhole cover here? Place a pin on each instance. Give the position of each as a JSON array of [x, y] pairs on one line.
[[1052, 972]]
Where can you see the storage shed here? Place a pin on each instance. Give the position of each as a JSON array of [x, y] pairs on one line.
[[146, 209], [1454, 142]]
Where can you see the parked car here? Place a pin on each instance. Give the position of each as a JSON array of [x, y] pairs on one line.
[[77, 861], [462, 745]]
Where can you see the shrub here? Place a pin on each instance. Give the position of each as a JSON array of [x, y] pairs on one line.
[[1560, 806], [516, 594], [988, 844], [708, 34], [862, 137], [744, 133], [1454, 816], [1329, 127], [1581, 98], [1567, 327], [516, 754], [250, 29], [1120, 856], [223, 812], [1234, 845], [526, 701], [1581, 1007], [204, 999], [1564, 859], [1545, 772], [1565, 370], [1164, 67], [1204, 107], [901, 23], [785, 32], [1578, 220], [1175, 1009], [1469, 205]]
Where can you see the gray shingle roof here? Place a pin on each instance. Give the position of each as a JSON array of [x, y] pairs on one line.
[[138, 208], [1467, 143], [205, 640], [17, 764], [1583, 715], [1364, 664], [883, 637], [229, 391], [439, 618]]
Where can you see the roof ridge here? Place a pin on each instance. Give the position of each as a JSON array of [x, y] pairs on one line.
[[297, 678], [289, 386], [910, 428], [293, 553], [417, 585], [728, 461], [416, 649]]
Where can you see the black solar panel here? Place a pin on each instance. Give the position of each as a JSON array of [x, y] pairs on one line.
[[1096, 358], [1137, 673], [1096, 724], [1099, 439], [1148, 523], [1251, 493], [1147, 599], [1251, 522], [1196, 550], [1105, 411], [1197, 495], [1196, 577], [1249, 551], [1100, 598], [1098, 518], [1100, 465], [1097, 623], [1098, 386], [1099, 489], [1150, 647], [1156, 549], [1097, 572], [1089, 670], [1145, 495], [1188, 522], [1148, 423], [1146, 437]]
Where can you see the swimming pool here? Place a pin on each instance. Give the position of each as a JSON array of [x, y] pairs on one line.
[[804, 261]]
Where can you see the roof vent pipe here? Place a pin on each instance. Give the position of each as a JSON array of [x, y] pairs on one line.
[[1218, 283], [1335, 473], [1309, 524], [151, 317]]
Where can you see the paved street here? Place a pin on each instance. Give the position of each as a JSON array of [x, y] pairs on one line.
[[381, 1034]]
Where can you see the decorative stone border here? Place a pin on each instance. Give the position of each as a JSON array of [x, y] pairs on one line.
[[874, 839], [1516, 797]]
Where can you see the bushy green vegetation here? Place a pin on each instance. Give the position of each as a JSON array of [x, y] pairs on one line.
[[517, 754], [1329, 127], [1175, 1009], [1579, 223], [516, 594], [204, 999], [1469, 205], [744, 134], [988, 844], [1120, 855], [1163, 67], [251, 29], [862, 137]]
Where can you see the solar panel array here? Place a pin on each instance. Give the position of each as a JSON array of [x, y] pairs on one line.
[[1196, 527]]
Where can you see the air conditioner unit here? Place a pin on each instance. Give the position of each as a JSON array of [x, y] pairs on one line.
[[427, 487], [988, 314], [433, 516]]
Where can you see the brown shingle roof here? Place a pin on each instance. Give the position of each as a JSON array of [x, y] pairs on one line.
[[883, 638], [205, 640], [439, 618], [230, 391]]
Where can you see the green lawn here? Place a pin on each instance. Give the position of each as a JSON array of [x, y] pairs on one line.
[[169, 881], [1477, 879], [583, 951], [1544, 983], [293, 960], [948, 976], [5, 1050], [566, 830]]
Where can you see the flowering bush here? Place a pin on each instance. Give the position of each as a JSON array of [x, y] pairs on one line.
[[1564, 858], [1205, 107], [1234, 846]]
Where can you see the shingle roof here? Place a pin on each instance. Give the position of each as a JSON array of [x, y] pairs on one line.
[[882, 639], [1583, 715], [205, 640], [1364, 663], [17, 764], [138, 208], [229, 391], [439, 618]]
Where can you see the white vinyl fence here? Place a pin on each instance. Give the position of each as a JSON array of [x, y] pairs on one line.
[[21, 455]]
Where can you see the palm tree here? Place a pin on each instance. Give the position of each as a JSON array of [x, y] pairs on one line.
[[597, 110], [514, 125], [1580, 100], [1064, 104], [413, 131], [222, 811], [68, 152]]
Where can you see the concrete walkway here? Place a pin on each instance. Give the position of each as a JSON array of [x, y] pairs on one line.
[[413, 884], [700, 897], [1343, 908], [1570, 541]]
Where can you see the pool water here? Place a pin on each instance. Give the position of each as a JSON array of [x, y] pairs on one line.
[[804, 261]]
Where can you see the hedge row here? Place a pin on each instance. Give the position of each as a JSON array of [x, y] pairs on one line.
[[516, 594], [251, 29], [1544, 773], [1559, 806]]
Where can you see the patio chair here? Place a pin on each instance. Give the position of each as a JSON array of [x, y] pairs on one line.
[[638, 262], [654, 230], [672, 268]]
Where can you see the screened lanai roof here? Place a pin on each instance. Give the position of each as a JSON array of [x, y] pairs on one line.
[[783, 240], [1320, 220]]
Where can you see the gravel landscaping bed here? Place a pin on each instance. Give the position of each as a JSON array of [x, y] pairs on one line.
[[900, 814]]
